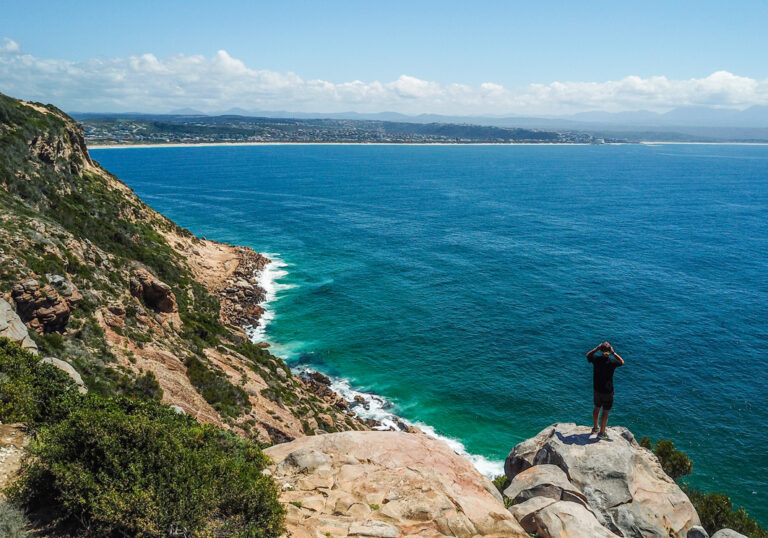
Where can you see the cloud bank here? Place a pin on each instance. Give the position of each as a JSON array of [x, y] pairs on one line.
[[146, 83]]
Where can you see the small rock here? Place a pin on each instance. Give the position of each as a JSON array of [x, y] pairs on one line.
[[525, 511], [728, 533], [13, 328], [378, 529], [307, 460], [320, 378], [697, 532]]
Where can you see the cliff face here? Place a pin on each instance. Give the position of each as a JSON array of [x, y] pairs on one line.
[[135, 303]]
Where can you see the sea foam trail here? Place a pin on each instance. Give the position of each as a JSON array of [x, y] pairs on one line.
[[268, 280], [380, 409], [373, 406]]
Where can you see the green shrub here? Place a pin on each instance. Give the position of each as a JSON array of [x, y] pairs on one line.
[[502, 482], [31, 392], [123, 467], [13, 522], [674, 462], [215, 387], [716, 512], [147, 386]]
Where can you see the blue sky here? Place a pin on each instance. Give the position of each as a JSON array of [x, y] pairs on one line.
[[518, 46]]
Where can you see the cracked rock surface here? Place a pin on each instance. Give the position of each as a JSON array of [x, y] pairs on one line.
[[385, 484], [625, 488]]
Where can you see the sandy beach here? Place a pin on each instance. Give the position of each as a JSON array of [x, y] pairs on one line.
[[212, 144]]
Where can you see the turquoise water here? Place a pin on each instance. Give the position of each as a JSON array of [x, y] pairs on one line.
[[465, 284]]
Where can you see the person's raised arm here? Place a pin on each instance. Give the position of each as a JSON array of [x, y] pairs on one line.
[[617, 356], [591, 354]]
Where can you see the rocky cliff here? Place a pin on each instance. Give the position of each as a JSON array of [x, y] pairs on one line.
[[134, 303]]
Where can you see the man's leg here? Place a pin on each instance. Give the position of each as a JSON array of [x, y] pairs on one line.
[[603, 420], [595, 414]]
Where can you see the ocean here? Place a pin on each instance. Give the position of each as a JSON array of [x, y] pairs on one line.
[[463, 285]]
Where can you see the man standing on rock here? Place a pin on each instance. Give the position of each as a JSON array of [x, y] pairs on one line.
[[603, 365]]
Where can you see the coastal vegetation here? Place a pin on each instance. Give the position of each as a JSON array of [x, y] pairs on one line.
[[715, 510], [124, 466]]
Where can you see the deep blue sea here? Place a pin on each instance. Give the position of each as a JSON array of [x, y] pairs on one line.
[[464, 284]]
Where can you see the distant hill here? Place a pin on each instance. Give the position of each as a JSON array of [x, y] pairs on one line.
[[191, 129], [692, 123]]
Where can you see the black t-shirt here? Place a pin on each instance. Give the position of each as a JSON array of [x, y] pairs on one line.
[[604, 365]]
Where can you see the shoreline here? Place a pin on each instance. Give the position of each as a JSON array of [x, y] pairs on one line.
[[512, 144], [226, 144], [367, 406]]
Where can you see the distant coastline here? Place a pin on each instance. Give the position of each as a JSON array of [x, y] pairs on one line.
[[211, 144]]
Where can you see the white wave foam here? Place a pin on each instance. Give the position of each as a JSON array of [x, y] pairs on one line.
[[382, 410], [268, 278], [373, 406]]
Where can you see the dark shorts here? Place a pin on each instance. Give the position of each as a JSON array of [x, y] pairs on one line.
[[604, 400]]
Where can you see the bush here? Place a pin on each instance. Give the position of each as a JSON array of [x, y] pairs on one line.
[[716, 512], [502, 482], [13, 523], [122, 467], [215, 387], [31, 392], [674, 462], [147, 386]]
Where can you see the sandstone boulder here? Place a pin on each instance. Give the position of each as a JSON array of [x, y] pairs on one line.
[[13, 328], [41, 307], [525, 511], [565, 519], [373, 483], [543, 481], [155, 294], [622, 482]]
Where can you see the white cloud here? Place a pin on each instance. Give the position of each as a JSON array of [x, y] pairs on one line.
[[151, 84], [9, 45]]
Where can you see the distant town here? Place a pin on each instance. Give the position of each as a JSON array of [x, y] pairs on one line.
[[177, 129]]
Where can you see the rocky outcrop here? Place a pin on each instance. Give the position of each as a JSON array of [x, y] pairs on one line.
[[385, 484], [154, 293], [13, 328], [320, 385], [42, 308], [241, 297], [65, 150], [623, 483]]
